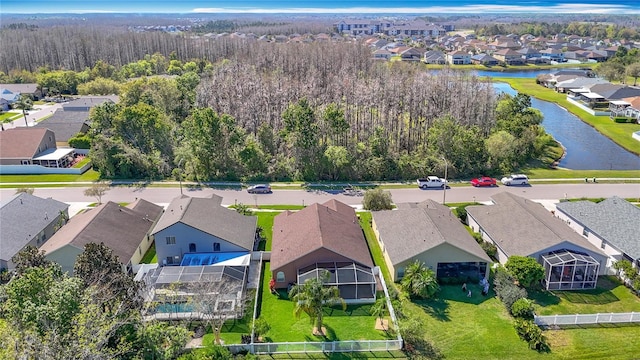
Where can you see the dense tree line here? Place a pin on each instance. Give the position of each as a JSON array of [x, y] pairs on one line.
[[598, 30], [312, 112]]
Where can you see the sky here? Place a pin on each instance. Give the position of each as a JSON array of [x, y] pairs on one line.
[[321, 6]]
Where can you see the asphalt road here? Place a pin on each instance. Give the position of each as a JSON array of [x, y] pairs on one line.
[[301, 197]]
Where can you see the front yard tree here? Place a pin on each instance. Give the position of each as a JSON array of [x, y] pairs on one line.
[[525, 269], [312, 296], [419, 281], [97, 190], [377, 199], [24, 103]]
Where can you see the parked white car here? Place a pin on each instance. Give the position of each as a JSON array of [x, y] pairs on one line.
[[432, 182], [515, 179]]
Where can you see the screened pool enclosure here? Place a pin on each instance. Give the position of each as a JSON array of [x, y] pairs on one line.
[[355, 281], [569, 270]]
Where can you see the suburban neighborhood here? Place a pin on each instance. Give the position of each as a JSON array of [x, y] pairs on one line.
[[101, 258]]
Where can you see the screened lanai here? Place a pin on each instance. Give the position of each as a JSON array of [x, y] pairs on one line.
[[355, 281], [570, 270]]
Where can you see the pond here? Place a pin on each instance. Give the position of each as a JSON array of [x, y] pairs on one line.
[[586, 148]]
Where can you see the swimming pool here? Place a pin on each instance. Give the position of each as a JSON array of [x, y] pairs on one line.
[[199, 259]]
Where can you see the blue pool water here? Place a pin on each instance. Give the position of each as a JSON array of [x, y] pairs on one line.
[[198, 259]]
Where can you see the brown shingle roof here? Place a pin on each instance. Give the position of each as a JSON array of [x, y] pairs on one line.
[[21, 143], [318, 226], [122, 229]]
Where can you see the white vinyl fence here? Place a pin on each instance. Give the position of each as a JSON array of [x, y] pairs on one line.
[[585, 319], [319, 347]]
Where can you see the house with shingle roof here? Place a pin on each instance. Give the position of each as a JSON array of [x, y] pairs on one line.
[[519, 226], [32, 146], [428, 232], [191, 226], [124, 229], [611, 225], [28, 220], [323, 237], [30, 90], [85, 103], [66, 124]]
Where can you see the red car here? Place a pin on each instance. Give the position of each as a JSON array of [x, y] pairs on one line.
[[483, 181]]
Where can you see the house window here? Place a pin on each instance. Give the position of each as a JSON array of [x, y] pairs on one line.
[[169, 260], [176, 259], [400, 273], [171, 240], [192, 247], [216, 246], [603, 245], [280, 276], [585, 232], [139, 251]]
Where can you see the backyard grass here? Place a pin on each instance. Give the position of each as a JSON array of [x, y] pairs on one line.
[[355, 323], [265, 222], [150, 257], [280, 207], [620, 133], [610, 296], [81, 163]]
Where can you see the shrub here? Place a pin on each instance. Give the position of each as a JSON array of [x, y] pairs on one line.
[[506, 289], [490, 249], [80, 141], [531, 333], [525, 269], [478, 237], [377, 199], [522, 308]]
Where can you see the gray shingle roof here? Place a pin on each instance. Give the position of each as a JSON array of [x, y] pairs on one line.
[[415, 228], [21, 218], [65, 124], [614, 220], [523, 227], [207, 215]]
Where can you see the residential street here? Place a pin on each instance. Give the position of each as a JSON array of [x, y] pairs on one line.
[[299, 197]]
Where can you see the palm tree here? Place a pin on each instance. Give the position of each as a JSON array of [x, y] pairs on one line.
[[24, 103], [379, 310], [312, 296], [420, 281]]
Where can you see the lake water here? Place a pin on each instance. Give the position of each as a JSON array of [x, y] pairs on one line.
[[586, 148]]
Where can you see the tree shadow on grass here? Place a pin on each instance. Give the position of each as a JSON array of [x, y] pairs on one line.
[[352, 310], [437, 308], [601, 295]]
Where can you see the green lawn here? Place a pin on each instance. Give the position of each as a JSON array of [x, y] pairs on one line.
[[150, 257], [610, 296], [619, 133], [353, 324], [265, 221], [89, 175]]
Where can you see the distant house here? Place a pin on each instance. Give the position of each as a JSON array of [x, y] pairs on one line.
[[28, 220], [552, 54], [85, 103], [191, 226], [33, 146], [434, 57], [123, 229], [66, 124], [9, 96], [519, 226], [611, 225], [382, 54], [430, 233], [323, 237], [410, 54], [458, 58], [484, 59], [509, 57], [31, 90]]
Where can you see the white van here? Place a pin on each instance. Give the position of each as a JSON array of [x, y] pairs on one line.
[[516, 179]]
